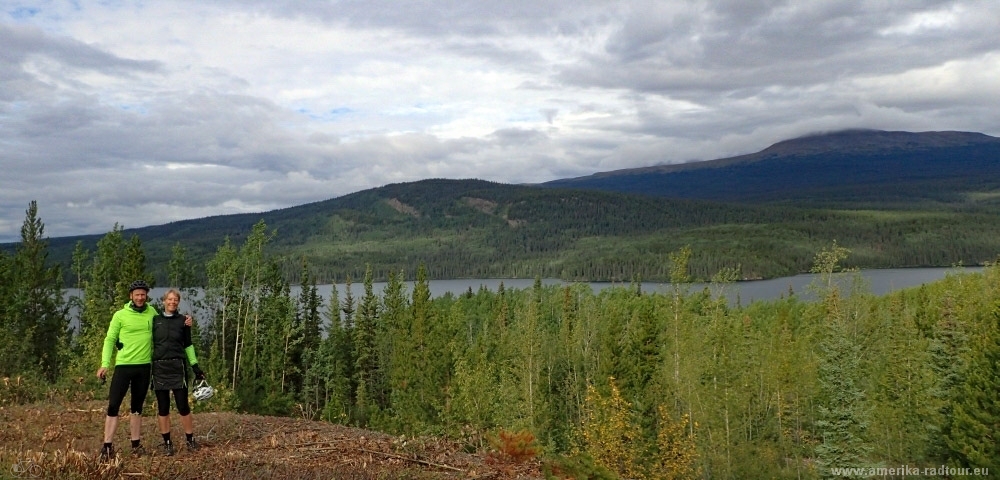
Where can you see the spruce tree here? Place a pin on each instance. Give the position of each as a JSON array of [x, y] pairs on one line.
[[416, 377], [39, 306], [843, 410], [392, 344], [305, 328], [366, 360], [328, 379], [974, 436], [13, 348]]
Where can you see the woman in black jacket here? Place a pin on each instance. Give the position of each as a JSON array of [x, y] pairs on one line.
[[173, 351]]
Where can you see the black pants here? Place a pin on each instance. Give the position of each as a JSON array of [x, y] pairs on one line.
[[163, 401], [125, 377]]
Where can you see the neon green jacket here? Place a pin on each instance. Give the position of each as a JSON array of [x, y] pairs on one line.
[[135, 331]]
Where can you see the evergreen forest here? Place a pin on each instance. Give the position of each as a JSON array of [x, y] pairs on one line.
[[480, 229], [617, 384]]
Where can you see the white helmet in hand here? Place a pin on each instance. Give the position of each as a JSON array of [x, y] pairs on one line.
[[203, 391]]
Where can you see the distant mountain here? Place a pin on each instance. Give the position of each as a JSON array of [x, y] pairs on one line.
[[852, 166], [895, 199]]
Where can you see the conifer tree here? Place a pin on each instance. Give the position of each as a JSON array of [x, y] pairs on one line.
[[100, 290], [350, 350], [974, 436], [417, 373], [13, 348], [949, 350], [306, 326], [366, 359], [392, 343], [133, 267], [39, 307], [565, 390], [843, 411], [907, 415], [327, 389]]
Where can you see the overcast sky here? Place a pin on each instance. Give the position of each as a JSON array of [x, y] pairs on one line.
[[146, 112]]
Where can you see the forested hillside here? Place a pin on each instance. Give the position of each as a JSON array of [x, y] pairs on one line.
[[477, 229], [620, 384], [854, 168], [896, 199]]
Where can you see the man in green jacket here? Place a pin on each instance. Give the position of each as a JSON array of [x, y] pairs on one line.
[[131, 330]]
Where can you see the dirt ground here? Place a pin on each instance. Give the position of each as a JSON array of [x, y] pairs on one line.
[[46, 440]]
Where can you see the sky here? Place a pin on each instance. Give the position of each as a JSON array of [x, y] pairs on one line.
[[142, 113]]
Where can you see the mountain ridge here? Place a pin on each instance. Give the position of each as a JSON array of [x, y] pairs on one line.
[[834, 164], [767, 217], [822, 142]]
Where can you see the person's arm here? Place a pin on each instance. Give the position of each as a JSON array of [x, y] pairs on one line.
[[109, 341], [199, 374], [189, 346]]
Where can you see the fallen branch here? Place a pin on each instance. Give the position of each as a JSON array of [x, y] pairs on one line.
[[392, 455], [416, 460], [311, 443]]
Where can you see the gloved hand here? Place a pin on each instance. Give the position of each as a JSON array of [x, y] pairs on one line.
[[198, 373]]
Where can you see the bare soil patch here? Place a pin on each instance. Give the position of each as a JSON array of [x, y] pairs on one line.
[[46, 440]]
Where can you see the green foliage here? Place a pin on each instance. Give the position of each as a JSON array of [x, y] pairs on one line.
[[842, 422], [780, 389], [575, 467], [366, 367], [973, 434], [34, 314], [476, 229]]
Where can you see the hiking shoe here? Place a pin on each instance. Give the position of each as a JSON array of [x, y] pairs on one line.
[[138, 451], [107, 453], [193, 445], [168, 448]]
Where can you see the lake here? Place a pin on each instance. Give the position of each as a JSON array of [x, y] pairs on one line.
[[880, 282]]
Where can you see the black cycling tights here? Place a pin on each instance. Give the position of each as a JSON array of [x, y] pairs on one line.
[[163, 402], [126, 376]]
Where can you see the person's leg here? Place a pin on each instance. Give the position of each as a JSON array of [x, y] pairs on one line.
[[187, 420], [110, 425], [116, 394], [140, 385], [163, 420], [163, 411]]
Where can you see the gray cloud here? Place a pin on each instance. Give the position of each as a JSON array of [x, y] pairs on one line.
[[22, 42], [148, 113]]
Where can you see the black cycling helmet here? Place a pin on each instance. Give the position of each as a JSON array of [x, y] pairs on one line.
[[137, 285]]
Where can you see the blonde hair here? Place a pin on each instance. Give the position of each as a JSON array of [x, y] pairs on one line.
[[173, 291]]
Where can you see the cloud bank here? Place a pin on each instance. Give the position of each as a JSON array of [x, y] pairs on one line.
[[145, 113]]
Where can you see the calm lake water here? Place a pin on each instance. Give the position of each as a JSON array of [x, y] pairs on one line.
[[879, 282]]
